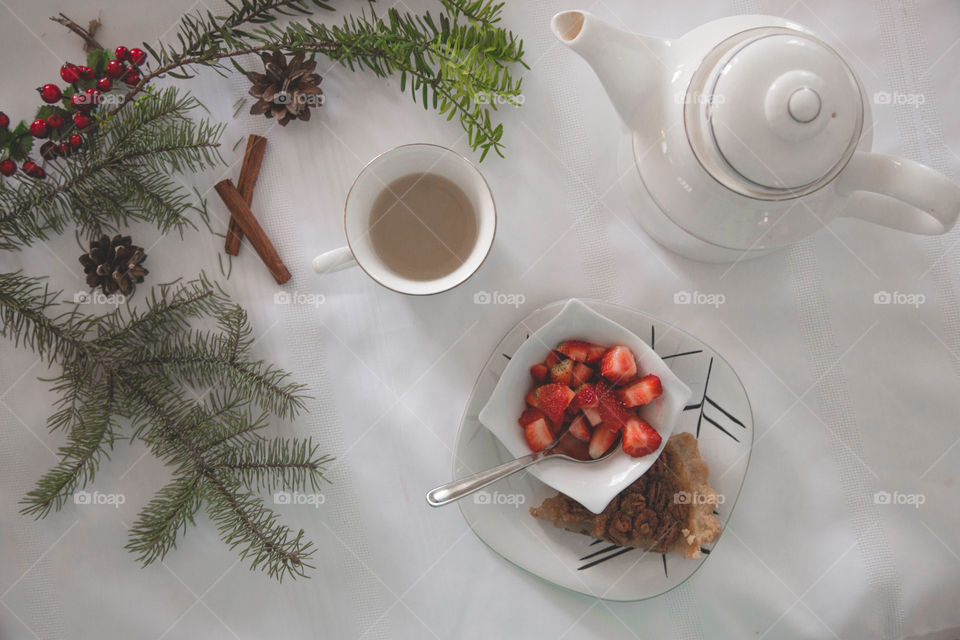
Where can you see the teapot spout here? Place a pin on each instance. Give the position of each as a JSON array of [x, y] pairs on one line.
[[632, 68]]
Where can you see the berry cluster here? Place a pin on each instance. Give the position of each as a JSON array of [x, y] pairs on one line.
[[87, 86]]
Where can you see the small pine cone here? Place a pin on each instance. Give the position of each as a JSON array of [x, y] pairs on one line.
[[114, 264]]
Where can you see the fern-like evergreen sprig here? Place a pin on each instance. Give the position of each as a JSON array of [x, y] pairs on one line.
[[195, 396]]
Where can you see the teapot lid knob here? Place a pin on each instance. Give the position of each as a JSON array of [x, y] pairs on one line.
[[782, 112], [804, 104]]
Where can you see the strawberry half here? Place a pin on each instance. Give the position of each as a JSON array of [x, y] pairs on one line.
[[612, 412], [530, 414], [595, 352], [581, 373], [586, 396], [592, 414], [538, 435], [574, 349], [618, 364], [562, 372], [539, 372], [553, 399], [642, 391], [639, 438], [579, 429], [553, 358], [601, 440]]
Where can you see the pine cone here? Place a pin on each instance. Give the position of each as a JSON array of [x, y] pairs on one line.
[[285, 91], [114, 264]]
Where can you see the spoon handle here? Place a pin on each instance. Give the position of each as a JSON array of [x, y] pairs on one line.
[[453, 491]]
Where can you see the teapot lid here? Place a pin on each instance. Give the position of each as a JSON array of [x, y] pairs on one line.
[[774, 113]]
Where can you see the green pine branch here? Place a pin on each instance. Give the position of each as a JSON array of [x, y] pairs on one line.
[[197, 398], [122, 174]]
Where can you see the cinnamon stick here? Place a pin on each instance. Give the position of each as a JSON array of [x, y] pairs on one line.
[[249, 172], [240, 211]]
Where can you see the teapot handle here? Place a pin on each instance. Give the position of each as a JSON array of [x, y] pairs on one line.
[[899, 193]]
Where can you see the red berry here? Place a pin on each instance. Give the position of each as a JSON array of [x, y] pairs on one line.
[[69, 73], [133, 78], [115, 68], [55, 121], [105, 84], [50, 93], [8, 167], [137, 56], [39, 128], [4, 120], [86, 73], [29, 167], [38, 173], [81, 120], [64, 148], [120, 53], [76, 140]]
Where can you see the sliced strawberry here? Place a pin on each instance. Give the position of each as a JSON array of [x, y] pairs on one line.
[[562, 372], [612, 412], [639, 438], [574, 349], [538, 435], [601, 440], [581, 373], [530, 399], [595, 352], [530, 414], [618, 364], [539, 372], [592, 414], [553, 399], [553, 358], [586, 396], [579, 429], [642, 391]]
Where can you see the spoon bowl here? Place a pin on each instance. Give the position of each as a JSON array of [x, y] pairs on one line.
[[462, 487]]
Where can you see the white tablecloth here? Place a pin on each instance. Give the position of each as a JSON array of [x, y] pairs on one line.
[[850, 397]]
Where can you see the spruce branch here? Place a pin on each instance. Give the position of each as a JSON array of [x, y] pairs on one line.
[[196, 397], [122, 175], [457, 62]]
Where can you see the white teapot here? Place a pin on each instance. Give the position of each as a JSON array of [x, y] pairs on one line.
[[750, 133]]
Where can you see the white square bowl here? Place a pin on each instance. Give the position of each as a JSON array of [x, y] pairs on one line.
[[593, 485]]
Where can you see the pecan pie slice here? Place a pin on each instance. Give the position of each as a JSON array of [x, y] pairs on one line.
[[667, 509]]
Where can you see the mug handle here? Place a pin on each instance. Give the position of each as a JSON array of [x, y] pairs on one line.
[[899, 193], [334, 260]]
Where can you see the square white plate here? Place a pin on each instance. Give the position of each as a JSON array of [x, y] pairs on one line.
[[592, 485]]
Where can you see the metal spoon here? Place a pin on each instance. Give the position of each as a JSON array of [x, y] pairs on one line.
[[456, 489]]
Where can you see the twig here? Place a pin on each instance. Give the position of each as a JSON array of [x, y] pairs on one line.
[[89, 42]]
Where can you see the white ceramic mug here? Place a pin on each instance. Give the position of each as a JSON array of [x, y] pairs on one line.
[[381, 171]]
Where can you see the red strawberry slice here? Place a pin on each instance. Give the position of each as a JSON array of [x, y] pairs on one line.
[[581, 373], [575, 349], [538, 435], [553, 358], [592, 414], [530, 399], [595, 352], [618, 364], [539, 372], [612, 412], [530, 414], [562, 372], [579, 429], [642, 391], [601, 440], [553, 399], [639, 438], [586, 396]]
